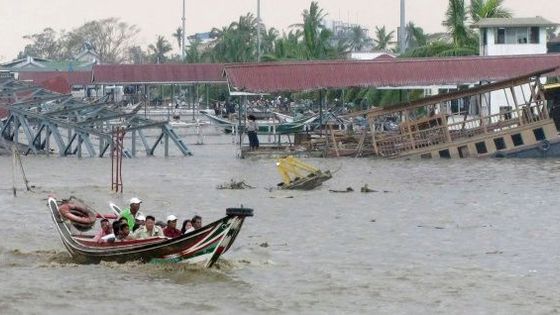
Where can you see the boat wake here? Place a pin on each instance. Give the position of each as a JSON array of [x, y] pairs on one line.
[[17, 257]]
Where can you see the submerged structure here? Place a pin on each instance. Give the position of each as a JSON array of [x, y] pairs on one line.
[[426, 129]]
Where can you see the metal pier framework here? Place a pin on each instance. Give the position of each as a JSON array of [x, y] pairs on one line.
[[75, 124]]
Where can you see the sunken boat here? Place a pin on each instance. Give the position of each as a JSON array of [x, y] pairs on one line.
[[466, 123], [204, 246], [297, 175]]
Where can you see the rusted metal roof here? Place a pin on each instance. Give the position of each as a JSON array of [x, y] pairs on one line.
[[158, 74], [417, 72]]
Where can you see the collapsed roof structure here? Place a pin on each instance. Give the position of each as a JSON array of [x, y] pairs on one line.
[[42, 114]]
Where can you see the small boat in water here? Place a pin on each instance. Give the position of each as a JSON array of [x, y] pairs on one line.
[[298, 175], [204, 245]]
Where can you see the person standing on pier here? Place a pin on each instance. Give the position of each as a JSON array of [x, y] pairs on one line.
[[252, 132]]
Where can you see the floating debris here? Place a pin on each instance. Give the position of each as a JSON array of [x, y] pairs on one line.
[[432, 227], [496, 252], [348, 189], [235, 185], [366, 189]]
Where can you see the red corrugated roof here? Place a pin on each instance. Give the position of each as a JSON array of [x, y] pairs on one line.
[[302, 76], [73, 78], [158, 73], [57, 84]]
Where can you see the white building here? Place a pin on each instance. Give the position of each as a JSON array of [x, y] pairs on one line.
[[511, 36]]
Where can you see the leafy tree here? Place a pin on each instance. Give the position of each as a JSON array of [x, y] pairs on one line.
[[111, 39], [159, 49], [136, 55], [382, 38], [43, 45]]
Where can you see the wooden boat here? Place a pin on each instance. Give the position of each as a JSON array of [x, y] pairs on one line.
[[298, 175], [204, 245], [429, 129]]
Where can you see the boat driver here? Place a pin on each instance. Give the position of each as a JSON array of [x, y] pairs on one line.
[[132, 212]]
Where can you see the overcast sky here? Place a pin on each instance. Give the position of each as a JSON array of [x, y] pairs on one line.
[[21, 17]]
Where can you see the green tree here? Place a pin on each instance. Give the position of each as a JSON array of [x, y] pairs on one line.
[[43, 45], [193, 51], [159, 50], [236, 42], [358, 38], [456, 22], [287, 47], [111, 38], [178, 35], [316, 36], [382, 38], [268, 40], [415, 36], [481, 9], [136, 55]]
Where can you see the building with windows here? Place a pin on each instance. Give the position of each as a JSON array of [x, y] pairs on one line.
[[513, 36], [506, 37]]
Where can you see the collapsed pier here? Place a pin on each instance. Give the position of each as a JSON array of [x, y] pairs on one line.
[[39, 121]]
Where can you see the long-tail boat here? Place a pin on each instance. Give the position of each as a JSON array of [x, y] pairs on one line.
[[204, 245]]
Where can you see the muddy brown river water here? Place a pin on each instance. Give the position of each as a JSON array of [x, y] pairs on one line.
[[439, 237]]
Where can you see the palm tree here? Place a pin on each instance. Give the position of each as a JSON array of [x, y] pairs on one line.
[[316, 37], [160, 49], [358, 38], [481, 9], [455, 21], [193, 51], [382, 39], [288, 47], [236, 42], [415, 36], [178, 36], [268, 39]]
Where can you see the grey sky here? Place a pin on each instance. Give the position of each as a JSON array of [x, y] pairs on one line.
[[21, 17]]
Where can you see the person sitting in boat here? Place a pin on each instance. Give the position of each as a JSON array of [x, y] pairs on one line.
[[196, 222], [187, 225], [171, 228], [106, 229], [140, 221], [132, 212], [150, 229], [124, 233]]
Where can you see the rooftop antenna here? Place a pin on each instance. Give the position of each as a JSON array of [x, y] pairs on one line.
[[402, 33], [184, 35]]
